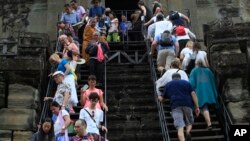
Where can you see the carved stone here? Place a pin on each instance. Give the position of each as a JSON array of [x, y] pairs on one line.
[[238, 112], [23, 96], [234, 90], [22, 135], [5, 135], [17, 119]]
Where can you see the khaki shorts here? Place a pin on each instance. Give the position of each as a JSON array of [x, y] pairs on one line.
[[182, 116]]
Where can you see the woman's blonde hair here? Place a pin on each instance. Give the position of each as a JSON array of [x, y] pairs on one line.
[[54, 57], [190, 44]]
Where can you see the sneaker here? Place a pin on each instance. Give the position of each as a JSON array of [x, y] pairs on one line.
[[209, 128], [188, 137]]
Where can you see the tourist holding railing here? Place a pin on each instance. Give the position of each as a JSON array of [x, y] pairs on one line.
[[63, 66], [182, 101], [61, 122]]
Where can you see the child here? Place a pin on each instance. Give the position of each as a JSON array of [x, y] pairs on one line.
[[124, 26], [113, 35]]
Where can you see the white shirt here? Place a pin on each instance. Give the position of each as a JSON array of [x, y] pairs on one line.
[[201, 55], [167, 77], [92, 127], [186, 52], [162, 26], [59, 123]]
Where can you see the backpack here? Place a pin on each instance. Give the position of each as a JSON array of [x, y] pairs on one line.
[[166, 39], [174, 15], [180, 30], [191, 63]]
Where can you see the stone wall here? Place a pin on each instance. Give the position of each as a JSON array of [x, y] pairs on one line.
[[25, 70]]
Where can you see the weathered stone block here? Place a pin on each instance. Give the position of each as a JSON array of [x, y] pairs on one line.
[[5, 135], [17, 119], [22, 135], [233, 90], [32, 78], [238, 112], [23, 96], [21, 63]]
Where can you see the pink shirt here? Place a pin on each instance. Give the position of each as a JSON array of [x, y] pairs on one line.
[[86, 95]]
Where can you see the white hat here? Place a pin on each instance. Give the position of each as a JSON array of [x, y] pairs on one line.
[[58, 72], [80, 61]]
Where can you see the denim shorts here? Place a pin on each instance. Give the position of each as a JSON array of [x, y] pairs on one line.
[[182, 116]]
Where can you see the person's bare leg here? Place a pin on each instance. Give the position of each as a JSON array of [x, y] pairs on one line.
[[207, 117], [180, 133], [188, 129]]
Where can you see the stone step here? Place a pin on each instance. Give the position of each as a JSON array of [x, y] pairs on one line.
[[145, 136], [213, 117], [205, 138], [134, 125], [198, 132], [136, 86], [122, 100], [123, 79], [136, 115], [196, 125], [132, 108], [129, 101]]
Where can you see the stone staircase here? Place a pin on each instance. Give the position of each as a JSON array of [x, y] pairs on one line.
[[133, 115], [199, 131]]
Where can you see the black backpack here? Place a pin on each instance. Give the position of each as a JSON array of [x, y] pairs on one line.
[[191, 63], [166, 39], [174, 15]]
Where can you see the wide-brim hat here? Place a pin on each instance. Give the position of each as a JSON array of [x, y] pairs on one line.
[[80, 61]]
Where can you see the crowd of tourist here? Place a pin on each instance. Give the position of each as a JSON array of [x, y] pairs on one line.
[[84, 36]]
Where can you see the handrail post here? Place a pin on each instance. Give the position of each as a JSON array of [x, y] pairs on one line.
[[105, 93]]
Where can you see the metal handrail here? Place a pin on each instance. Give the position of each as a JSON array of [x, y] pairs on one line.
[[105, 94], [49, 87], [225, 117], [159, 104]]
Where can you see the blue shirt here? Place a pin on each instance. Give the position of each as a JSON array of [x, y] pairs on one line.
[[158, 38], [124, 27], [179, 93], [61, 66], [71, 18], [96, 10]]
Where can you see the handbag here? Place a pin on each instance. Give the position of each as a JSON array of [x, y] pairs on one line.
[[100, 56]]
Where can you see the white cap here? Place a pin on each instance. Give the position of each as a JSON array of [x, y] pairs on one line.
[[58, 72]]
